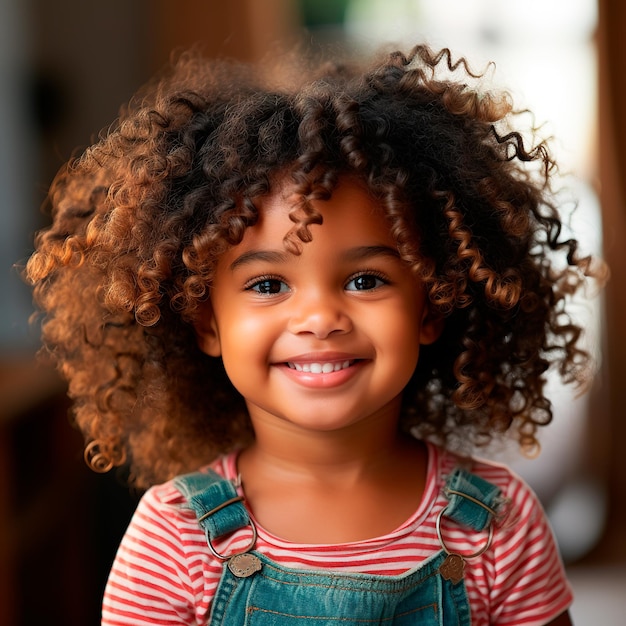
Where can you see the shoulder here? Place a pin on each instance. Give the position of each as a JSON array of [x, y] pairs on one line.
[[521, 576], [514, 490], [165, 526], [162, 568], [166, 500], [521, 526]]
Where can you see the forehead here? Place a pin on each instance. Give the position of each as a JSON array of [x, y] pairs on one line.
[[351, 212]]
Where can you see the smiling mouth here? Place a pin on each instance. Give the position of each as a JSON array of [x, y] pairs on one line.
[[320, 368]]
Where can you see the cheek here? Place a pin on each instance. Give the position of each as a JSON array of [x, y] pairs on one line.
[[402, 335], [246, 339], [252, 326]]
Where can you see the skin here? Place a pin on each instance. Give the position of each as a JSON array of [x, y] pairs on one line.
[[328, 464]]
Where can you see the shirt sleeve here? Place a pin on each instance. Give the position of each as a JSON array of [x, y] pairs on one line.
[[152, 577], [530, 586]]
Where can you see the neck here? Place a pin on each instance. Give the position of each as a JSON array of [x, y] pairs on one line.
[[313, 486], [345, 454]]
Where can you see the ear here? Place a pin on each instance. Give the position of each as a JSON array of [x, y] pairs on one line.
[[207, 331], [432, 327]]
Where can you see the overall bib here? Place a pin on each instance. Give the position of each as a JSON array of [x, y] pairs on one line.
[[255, 591]]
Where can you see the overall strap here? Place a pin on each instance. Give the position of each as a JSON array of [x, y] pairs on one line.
[[473, 501], [215, 501], [220, 510]]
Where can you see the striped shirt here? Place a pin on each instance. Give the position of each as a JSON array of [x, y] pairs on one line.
[[164, 572]]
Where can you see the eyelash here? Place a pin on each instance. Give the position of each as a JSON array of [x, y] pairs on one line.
[[375, 273], [254, 282]]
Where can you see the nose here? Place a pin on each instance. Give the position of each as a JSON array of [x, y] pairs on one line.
[[320, 314]]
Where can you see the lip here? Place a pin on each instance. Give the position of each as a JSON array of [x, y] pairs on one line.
[[322, 369]]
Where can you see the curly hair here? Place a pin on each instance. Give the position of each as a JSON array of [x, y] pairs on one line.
[[140, 218]]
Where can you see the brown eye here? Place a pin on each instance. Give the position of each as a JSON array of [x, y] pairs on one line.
[[269, 286], [364, 282]]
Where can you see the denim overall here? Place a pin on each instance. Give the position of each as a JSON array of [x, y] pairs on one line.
[[255, 591]]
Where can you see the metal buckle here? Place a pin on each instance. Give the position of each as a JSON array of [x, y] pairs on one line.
[[214, 552], [465, 556]]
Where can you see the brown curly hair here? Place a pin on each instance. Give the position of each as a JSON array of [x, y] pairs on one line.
[[140, 218]]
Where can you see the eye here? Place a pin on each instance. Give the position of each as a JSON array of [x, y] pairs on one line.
[[365, 282], [268, 286]]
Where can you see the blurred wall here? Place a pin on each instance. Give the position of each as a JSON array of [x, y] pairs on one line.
[[610, 434], [17, 154]]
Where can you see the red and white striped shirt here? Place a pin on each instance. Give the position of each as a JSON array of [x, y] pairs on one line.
[[164, 572]]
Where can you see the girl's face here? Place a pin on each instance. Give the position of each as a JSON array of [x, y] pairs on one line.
[[326, 339]]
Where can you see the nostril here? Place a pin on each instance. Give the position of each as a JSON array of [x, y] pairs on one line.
[[322, 321]]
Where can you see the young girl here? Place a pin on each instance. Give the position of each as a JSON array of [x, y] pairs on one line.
[[314, 291]]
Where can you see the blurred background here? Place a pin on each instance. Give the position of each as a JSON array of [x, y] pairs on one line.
[[67, 66]]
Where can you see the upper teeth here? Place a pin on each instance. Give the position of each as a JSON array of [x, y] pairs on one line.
[[319, 368]]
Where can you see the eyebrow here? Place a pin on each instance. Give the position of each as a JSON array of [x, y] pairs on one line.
[[367, 252], [359, 253], [269, 256]]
